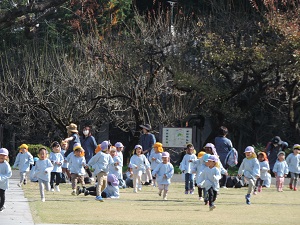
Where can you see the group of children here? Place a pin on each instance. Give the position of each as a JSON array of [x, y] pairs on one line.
[[206, 170]]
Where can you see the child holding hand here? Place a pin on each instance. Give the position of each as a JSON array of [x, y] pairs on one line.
[[5, 174], [43, 168], [250, 169]]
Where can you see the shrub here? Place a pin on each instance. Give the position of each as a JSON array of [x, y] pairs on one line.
[[34, 149]]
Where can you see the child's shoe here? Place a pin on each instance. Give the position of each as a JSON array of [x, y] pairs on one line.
[[254, 192], [78, 190], [165, 198], [192, 191], [200, 199], [186, 192], [57, 188], [259, 189], [52, 189], [247, 196], [295, 189], [24, 181], [73, 192], [99, 198], [43, 199], [159, 192], [134, 190], [1, 209], [212, 207], [19, 184], [291, 186]]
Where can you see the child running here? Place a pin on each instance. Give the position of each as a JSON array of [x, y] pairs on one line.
[[280, 170], [156, 158], [186, 167], [43, 168], [23, 161], [57, 160], [76, 165], [5, 174], [198, 168], [250, 169], [164, 172], [139, 163], [100, 163], [264, 171], [209, 179], [293, 161]]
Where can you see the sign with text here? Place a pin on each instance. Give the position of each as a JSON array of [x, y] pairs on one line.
[[176, 136]]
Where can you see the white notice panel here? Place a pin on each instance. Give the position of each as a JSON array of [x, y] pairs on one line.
[[176, 136]]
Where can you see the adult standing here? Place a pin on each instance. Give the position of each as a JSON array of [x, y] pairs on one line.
[[223, 144], [147, 140], [88, 143], [273, 147], [72, 138]]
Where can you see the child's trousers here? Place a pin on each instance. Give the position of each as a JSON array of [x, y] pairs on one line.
[[251, 185], [2, 198], [212, 195], [102, 182], [42, 185]]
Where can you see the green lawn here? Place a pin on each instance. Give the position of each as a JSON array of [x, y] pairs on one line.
[[146, 207]]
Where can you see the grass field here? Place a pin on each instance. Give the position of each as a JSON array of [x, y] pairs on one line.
[[146, 207]]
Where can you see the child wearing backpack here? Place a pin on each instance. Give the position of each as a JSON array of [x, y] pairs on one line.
[[250, 169]]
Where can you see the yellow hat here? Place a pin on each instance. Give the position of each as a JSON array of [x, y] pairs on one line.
[[159, 147], [200, 154], [24, 146]]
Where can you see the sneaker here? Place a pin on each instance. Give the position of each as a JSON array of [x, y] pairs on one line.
[[224, 187], [211, 208], [99, 198], [159, 193], [206, 202], [200, 199], [134, 190], [291, 186], [43, 199], [255, 193], [165, 198], [1, 209], [248, 199], [92, 179], [78, 190], [186, 192], [259, 189], [192, 192], [52, 189], [25, 182], [146, 183], [57, 188], [87, 192], [139, 189], [73, 192], [295, 189], [4, 207], [19, 184]]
